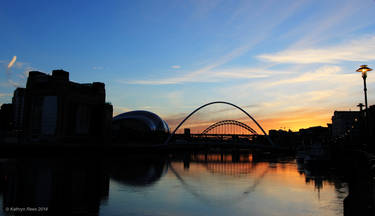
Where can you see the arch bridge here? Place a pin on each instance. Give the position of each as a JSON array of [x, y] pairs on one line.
[[229, 127], [226, 123]]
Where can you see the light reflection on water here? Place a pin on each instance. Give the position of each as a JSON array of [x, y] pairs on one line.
[[196, 184], [221, 185]]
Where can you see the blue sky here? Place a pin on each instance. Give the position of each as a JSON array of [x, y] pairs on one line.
[[288, 63]]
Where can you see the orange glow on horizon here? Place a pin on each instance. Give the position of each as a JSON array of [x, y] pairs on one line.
[[293, 120], [298, 121]]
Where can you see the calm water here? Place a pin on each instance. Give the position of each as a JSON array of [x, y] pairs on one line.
[[195, 184]]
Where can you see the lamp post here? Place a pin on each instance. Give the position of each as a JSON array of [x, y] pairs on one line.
[[364, 69]]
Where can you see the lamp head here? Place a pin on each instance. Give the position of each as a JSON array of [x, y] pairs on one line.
[[364, 69]]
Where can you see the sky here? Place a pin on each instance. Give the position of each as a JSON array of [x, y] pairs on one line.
[[290, 64]]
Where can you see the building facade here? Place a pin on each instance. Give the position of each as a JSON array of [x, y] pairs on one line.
[[18, 102], [6, 121], [54, 109], [344, 122]]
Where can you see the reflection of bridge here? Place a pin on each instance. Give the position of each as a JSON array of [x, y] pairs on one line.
[[225, 164], [239, 166]]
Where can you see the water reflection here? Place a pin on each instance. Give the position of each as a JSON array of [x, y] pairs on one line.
[[230, 179], [202, 191], [53, 186], [208, 183], [138, 170], [321, 175]]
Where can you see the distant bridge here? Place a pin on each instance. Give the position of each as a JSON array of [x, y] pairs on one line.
[[226, 122], [227, 129], [226, 132]]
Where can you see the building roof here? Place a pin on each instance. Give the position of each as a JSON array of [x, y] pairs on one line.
[[153, 121]]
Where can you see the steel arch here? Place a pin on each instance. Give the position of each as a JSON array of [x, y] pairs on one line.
[[218, 102], [229, 122]]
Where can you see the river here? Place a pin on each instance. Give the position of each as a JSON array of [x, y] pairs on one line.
[[170, 184]]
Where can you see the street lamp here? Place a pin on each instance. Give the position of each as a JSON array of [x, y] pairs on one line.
[[364, 69]]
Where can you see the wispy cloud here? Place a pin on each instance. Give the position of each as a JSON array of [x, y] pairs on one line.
[[281, 106], [176, 66], [11, 63], [212, 76], [118, 110], [356, 50], [210, 73], [13, 83], [98, 68], [5, 95], [25, 74], [284, 99], [325, 73], [16, 73], [175, 98], [330, 23], [308, 100]]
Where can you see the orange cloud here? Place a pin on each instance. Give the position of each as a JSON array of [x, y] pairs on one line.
[[11, 63]]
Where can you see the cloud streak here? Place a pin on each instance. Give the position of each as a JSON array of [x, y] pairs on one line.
[[325, 73], [5, 95], [14, 84], [11, 63], [356, 50], [211, 76], [118, 110]]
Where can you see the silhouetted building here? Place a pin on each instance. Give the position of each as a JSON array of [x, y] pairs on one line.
[[371, 127], [187, 132], [54, 109], [18, 102], [314, 135], [285, 138], [139, 126], [6, 120], [329, 125], [343, 122]]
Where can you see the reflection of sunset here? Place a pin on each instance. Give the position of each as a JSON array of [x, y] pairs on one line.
[[216, 179], [231, 168], [224, 158], [277, 173], [244, 183], [212, 157]]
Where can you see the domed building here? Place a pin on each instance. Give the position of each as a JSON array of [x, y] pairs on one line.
[[139, 126]]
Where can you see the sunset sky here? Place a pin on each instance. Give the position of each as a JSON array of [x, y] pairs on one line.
[[289, 63]]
